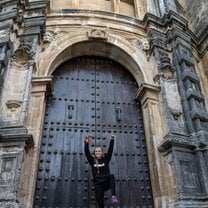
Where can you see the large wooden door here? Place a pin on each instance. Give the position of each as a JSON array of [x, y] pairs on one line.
[[92, 95]]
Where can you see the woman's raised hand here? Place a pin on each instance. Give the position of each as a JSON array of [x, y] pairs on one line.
[[113, 137], [88, 138]]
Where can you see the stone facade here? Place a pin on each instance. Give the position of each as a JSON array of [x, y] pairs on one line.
[[153, 41]]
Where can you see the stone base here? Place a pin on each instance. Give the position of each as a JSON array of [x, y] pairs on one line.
[[189, 204]]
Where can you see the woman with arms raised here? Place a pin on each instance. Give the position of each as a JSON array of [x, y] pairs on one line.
[[103, 180]]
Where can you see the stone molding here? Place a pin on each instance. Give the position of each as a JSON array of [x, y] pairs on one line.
[[146, 92], [42, 84], [10, 135], [172, 139]]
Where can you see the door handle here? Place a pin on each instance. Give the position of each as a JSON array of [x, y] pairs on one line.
[[118, 114], [70, 108]]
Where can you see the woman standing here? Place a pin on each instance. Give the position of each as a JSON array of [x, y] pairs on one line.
[[103, 180]]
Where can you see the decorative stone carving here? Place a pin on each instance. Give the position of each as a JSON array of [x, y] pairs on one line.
[[178, 140], [97, 34], [13, 104], [146, 45], [165, 62], [22, 55], [49, 36], [4, 32], [168, 74], [156, 42], [176, 113], [141, 44]]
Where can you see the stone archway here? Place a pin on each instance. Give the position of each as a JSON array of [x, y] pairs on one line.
[[92, 95], [41, 85], [110, 46]]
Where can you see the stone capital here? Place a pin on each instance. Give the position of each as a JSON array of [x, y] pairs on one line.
[[42, 84], [147, 92]]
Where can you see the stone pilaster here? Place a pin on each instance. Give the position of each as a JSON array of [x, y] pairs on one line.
[[188, 82], [190, 162], [166, 78], [13, 144], [27, 18], [15, 95], [149, 98], [185, 140], [10, 18]]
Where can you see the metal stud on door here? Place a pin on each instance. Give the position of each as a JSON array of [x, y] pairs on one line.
[[92, 95]]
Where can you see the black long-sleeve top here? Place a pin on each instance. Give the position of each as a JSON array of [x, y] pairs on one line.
[[103, 163]]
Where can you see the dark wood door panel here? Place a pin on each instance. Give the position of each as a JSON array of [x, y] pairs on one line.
[[92, 95]]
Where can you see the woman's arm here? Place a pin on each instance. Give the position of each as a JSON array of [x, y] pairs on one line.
[[87, 152], [110, 149]]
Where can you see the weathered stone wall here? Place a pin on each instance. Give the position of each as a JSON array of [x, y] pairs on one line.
[[168, 62], [21, 25], [197, 14], [132, 8]]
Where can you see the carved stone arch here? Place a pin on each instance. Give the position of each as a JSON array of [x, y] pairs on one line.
[[115, 48], [125, 53]]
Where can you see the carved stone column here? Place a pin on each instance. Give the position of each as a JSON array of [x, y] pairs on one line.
[[41, 87], [167, 79], [189, 151], [184, 141]]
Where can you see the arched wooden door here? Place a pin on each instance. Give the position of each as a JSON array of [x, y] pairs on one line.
[[92, 95]]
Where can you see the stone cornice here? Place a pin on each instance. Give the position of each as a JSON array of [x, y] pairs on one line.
[[164, 25], [15, 135], [178, 140]]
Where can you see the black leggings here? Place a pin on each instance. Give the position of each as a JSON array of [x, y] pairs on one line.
[[103, 185]]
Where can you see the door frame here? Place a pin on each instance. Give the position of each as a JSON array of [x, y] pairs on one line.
[[148, 94]]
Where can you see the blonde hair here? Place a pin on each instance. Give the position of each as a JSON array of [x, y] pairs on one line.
[[96, 160]]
